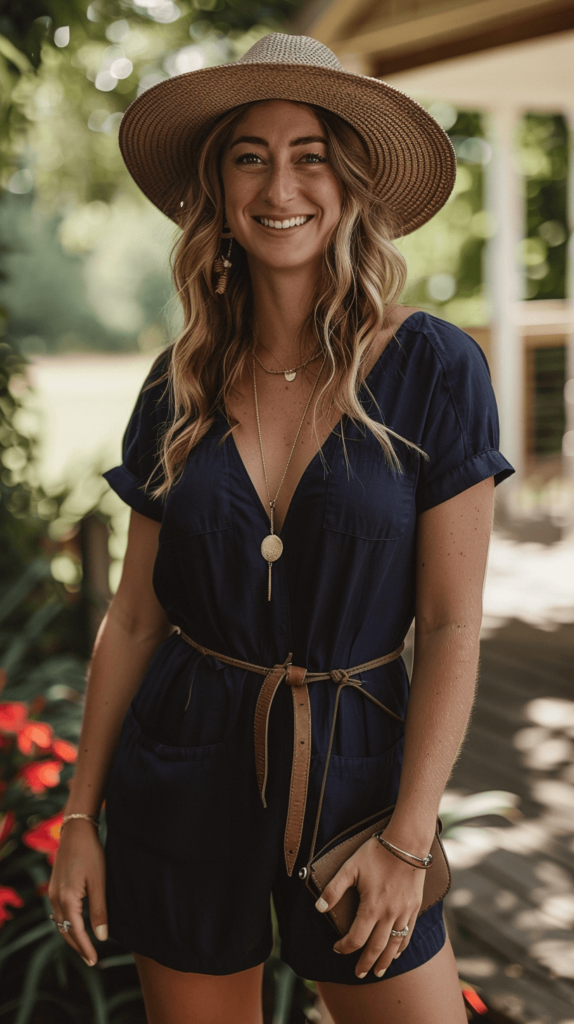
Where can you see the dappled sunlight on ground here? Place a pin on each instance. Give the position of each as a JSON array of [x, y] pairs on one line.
[[511, 907], [532, 582]]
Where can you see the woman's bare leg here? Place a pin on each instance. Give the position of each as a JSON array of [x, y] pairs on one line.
[[178, 997], [429, 994]]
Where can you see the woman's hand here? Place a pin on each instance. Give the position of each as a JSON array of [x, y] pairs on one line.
[[79, 870], [390, 892]]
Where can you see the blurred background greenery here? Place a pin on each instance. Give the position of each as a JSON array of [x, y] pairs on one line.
[[84, 274]]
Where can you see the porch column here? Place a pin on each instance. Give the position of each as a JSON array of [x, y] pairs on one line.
[[568, 442], [504, 201]]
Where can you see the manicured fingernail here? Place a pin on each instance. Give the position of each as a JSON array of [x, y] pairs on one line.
[[380, 973], [90, 963], [363, 975], [101, 932], [321, 905], [396, 956], [336, 950]]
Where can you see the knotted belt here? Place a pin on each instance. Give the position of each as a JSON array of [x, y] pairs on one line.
[[298, 679]]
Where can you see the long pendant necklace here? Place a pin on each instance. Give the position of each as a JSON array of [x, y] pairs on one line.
[[272, 545], [291, 374]]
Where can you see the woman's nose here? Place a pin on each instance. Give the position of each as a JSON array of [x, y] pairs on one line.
[[279, 186]]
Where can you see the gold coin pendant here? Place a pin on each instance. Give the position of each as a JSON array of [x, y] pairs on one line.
[[290, 374], [272, 547]]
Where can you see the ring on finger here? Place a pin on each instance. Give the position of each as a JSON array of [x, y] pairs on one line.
[[402, 933], [62, 926]]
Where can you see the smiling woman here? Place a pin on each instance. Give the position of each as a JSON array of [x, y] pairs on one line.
[[309, 465]]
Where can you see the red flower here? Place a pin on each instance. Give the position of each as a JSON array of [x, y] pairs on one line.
[[64, 750], [11, 898], [45, 837], [7, 822], [13, 716], [39, 775], [33, 734]]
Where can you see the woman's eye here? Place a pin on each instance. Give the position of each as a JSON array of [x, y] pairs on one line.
[[314, 158], [248, 158]]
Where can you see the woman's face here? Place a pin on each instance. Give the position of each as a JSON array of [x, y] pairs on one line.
[[282, 197]]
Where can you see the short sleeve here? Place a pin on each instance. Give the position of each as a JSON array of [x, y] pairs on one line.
[[461, 433], [141, 445]]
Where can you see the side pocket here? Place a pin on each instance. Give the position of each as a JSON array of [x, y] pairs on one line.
[[356, 788], [174, 800]]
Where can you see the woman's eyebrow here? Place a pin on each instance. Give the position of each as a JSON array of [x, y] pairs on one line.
[[306, 139], [256, 140]]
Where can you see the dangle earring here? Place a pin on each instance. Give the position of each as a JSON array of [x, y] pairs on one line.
[[222, 263]]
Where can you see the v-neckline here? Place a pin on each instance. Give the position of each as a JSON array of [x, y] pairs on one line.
[[376, 365]]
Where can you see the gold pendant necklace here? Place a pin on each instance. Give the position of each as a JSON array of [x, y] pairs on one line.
[[291, 374], [272, 545]]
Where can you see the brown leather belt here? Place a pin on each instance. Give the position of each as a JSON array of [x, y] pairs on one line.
[[298, 678]]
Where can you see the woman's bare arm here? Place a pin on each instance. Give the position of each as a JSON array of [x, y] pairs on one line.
[[452, 547], [131, 631]]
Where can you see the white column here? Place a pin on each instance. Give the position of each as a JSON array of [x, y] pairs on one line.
[[504, 200], [568, 446]]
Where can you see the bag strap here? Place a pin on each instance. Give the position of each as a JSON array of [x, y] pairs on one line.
[[357, 685]]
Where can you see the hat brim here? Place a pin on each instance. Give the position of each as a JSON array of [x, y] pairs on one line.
[[413, 161]]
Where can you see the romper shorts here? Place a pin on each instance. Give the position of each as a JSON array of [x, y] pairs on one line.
[[193, 857]]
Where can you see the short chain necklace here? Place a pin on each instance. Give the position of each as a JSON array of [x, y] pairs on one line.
[[272, 545], [291, 374]]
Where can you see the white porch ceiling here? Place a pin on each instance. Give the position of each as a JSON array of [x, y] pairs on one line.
[[533, 75]]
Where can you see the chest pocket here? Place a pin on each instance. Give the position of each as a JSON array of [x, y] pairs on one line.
[[199, 502], [366, 498]]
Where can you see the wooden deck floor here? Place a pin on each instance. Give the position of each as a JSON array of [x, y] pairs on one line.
[[511, 907]]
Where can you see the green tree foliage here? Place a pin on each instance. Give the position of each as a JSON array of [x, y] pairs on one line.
[[544, 164], [445, 256]]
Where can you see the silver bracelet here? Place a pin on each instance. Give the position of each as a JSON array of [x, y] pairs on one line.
[[425, 862]]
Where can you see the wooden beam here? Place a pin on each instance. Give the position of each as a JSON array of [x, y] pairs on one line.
[[520, 31], [385, 38], [327, 20]]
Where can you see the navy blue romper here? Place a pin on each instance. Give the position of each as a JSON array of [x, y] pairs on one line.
[[192, 855]]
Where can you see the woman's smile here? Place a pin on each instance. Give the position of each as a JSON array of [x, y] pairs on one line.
[[281, 224]]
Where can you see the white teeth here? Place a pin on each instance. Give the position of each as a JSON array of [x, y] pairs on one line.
[[281, 224]]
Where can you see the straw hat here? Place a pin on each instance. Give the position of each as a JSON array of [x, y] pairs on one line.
[[413, 162]]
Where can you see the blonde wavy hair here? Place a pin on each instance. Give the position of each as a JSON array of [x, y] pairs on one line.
[[362, 273]]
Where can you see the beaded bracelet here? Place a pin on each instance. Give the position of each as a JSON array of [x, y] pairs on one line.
[[88, 817], [425, 862]]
